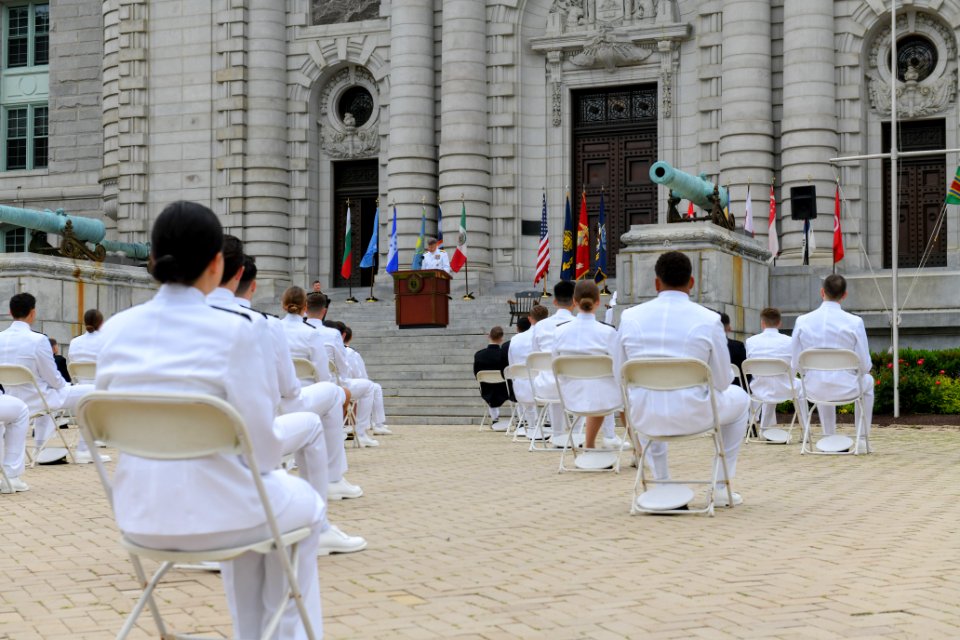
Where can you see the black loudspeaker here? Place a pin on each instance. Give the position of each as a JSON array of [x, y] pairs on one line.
[[803, 202]]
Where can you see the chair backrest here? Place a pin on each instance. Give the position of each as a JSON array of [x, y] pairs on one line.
[[762, 367], [162, 426], [583, 367], [829, 360], [515, 372], [666, 374], [490, 377], [86, 371], [737, 375], [525, 300], [14, 374], [305, 369], [539, 361], [571, 371]]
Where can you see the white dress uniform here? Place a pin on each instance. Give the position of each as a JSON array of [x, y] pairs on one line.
[[520, 347], [85, 347], [830, 327], [20, 345], [608, 314], [176, 343], [543, 335], [358, 370], [673, 326], [586, 336], [436, 260], [770, 343], [361, 390], [14, 424]]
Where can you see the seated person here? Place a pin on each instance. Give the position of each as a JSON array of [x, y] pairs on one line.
[[489, 359], [520, 348], [60, 360], [738, 351], [358, 371], [543, 336], [86, 346], [770, 343], [14, 424]]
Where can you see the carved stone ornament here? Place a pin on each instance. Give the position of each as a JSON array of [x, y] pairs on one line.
[[340, 135], [914, 99], [606, 51]]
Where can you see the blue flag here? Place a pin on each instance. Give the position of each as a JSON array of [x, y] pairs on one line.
[[418, 250], [569, 233], [374, 247], [601, 255], [393, 263], [439, 227]]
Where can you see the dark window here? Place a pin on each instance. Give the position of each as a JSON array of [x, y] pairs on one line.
[[916, 57], [358, 102]]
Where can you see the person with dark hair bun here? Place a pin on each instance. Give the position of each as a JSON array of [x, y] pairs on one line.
[[177, 343], [86, 346], [673, 326], [543, 335], [586, 336]]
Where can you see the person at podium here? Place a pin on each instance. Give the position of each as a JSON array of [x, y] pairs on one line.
[[436, 258]]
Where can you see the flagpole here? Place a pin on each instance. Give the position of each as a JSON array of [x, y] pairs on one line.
[[350, 299], [376, 259], [466, 268], [547, 294], [894, 210]]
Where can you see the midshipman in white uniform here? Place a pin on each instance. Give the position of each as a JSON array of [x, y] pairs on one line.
[[770, 343], [434, 258], [544, 333]]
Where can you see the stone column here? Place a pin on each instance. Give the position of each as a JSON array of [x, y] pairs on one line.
[[746, 137], [809, 130], [266, 178], [412, 155], [464, 150]]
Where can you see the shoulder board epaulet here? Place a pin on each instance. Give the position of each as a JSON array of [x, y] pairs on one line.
[[264, 313], [560, 324], [606, 323], [40, 332], [242, 315], [308, 324]]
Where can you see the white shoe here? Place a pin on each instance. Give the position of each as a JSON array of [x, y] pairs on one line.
[[615, 442], [85, 457], [343, 489], [367, 441], [382, 430], [335, 541], [720, 499], [16, 484]]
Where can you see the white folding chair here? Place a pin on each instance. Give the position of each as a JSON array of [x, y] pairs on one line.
[[518, 421], [738, 376], [81, 372], [490, 377], [182, 427], [832, 360], [769, 368], [569, 372], [350, 419], [541, 362], [12, 375], [671, 374]]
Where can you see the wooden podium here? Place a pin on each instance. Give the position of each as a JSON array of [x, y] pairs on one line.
[[422, 298]]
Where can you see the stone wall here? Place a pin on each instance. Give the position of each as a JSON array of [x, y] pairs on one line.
[[338, 11]]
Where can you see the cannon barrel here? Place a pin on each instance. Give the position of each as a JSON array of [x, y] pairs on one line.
[[134, 250], [686, 186], [84, 229]]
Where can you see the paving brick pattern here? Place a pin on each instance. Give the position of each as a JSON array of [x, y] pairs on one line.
[[473, 537]]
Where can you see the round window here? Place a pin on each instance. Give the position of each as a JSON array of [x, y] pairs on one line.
[[358, 103], [916, 58]]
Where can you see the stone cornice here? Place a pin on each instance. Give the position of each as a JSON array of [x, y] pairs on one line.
[[30, 264], [685, 235], [636, 35]]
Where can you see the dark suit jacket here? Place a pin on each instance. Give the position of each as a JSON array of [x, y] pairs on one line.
[[62, 366], [738, 353], [504, 363], [489, 360]]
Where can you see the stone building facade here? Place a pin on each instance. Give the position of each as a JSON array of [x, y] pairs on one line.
[[280, 115]]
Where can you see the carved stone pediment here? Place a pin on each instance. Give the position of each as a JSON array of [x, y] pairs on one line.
[[605, 50], [914, 99]]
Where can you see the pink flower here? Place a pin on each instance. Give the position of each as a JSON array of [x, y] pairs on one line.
[[942, 371], [920, 361], [878, 383], [938, 382], [900, 360], [890, 365]]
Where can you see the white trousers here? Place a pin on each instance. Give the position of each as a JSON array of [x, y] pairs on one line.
[[14, 424], [301, 435], [379, 416], [733, 407], [254, 582], [326, 400], [362, 390], [828, 412], [65, 398]]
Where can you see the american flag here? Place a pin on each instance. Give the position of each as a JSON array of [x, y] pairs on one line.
[[543, 252]]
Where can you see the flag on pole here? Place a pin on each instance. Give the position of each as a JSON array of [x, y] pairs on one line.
[[690, 212], [543, 251], [439, 227], [583, 240], [393, 261], [373, 247], [346, 267], [460, 255], [953, 197], [566, 264], [837, 232], [773, 243], [418, 249], [601, 255], [748, 214]]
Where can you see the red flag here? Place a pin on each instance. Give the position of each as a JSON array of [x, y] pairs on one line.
[[773, 243], [690, 213], [583, 240], [837, 233]]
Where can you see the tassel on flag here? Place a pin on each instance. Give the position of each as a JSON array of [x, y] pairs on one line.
[[566, 263], [369, 258], [690, 212], [837, 232], [601, 256], [583, 240], [460, 255], [346, 267], [393, 260], [418, 249], [773, 243], [543, 251], [748, 215], [953, 196]]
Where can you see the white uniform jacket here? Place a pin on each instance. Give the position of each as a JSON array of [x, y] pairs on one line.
[[21, 345], [544, 333], [520, 347], [85, 347], [286, 373], [177, 343], [673, 326], [333, 343], [436, 260], [830, 327], [586, 336], [358, 368], [305, 342], [770, 343]]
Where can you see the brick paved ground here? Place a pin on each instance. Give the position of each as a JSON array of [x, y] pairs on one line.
[[473, 537]]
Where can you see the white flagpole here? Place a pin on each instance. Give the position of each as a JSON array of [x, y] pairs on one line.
[[894, 208]]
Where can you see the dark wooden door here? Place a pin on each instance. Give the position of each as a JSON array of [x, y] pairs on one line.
[[355, 184], [922, 185], [615, 142]]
